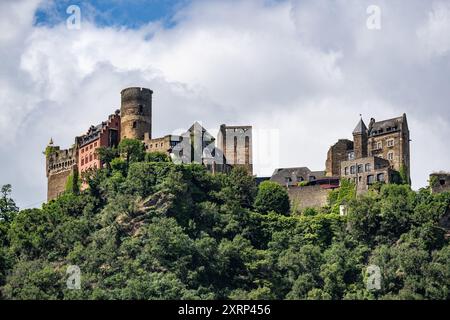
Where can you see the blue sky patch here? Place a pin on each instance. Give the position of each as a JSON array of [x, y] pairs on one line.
[[131, 14]]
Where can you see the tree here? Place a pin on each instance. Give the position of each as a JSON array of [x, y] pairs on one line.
[[106, 155], [272, 197], [240, 186], [132, 150], [157, 157], [8, 207]]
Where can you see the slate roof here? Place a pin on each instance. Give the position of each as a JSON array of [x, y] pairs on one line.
[[386, 126], [360, 127], [296, 174]]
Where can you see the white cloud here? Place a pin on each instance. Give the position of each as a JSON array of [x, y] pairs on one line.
[[435, 32], [305, 68]]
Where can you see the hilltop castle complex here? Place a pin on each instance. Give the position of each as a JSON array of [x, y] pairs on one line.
[[378, 153], [134, 121]]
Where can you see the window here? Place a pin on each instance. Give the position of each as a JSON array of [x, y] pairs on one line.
[[368, 167], [360, 168], [351, 155], [370, 179], [346, 171], [141, 109], [390, 156], [352, 170], [442, 182], [287, 179], [379, 145], [390, 143], [134, 125], [380, 177], [82, 162], [90, 157], [90, 147]]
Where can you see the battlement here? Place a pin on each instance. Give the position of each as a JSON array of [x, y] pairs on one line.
[[136, 93], [61, 160]]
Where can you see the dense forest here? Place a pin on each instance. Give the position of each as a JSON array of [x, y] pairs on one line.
[[147, 228]]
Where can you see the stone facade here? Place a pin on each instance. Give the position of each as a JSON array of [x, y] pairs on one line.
[[337, 153], [236, 144], [383, 146], [389, 139], [366, 171], [306, 188], [308, 197], [134, 121], [60, 165], [164, 144], [136, 113]]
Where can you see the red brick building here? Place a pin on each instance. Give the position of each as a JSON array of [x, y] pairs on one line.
[[106, 134]]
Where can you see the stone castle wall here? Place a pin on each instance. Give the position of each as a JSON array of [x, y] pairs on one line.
[[57, 183], [308, 197]]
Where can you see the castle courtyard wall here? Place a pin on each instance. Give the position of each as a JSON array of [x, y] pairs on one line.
[[308, 197]]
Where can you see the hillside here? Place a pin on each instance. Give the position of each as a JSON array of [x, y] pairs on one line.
[[150, 229]]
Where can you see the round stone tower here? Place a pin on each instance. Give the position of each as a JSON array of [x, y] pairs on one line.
[[136, 113]]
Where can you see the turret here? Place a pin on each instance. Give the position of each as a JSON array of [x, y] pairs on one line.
[[136, 113], [360, 140]]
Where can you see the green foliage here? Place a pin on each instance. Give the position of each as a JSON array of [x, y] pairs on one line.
[[157, 157], [342, 195], [8, 207], [131, 150], [73, 183], [404, 177], [158, 230], [107, 155], [272, 197], [49, 150], [303, 183]]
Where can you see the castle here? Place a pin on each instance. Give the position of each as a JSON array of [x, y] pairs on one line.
[[134, 121], [377, 153]]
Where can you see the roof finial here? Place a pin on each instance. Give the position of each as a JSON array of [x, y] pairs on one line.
[[50, 142]]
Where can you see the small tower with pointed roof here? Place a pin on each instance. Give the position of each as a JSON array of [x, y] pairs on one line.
[[360, 139]]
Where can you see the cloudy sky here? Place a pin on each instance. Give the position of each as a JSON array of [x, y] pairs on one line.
[[299, 71]]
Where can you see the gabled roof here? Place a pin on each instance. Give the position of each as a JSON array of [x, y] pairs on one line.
[[360, 127]]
